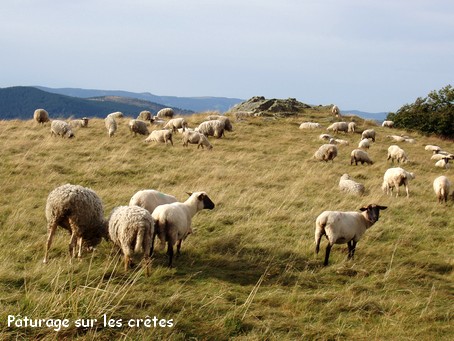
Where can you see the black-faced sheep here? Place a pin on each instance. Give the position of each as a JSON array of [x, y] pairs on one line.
[[394, 178], [347, 184], [443, 163], [161, 136], [150, 199], [78, 210], [212, 128], [165, 113], [41, 116], [442, 186], [358, 155], [61, 128], [344, 227], [195, 137], [326, 152], [397, 153], [138, 127], [338, 126], [368, 134]]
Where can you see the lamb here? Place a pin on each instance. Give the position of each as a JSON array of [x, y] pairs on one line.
[[443, 163], [138, 127], [195, 137], [358, 155], [173, 221], [326, 152], [364, 144], [163, 136], [150, 199], [351, 127], [368, 134], [80, 123], [338, 126], [144, 115], [131, 229], [310, 125], [41, 116], [111, 125], [335, 111], [394, 178], [345, 228], [165, 113], [397, 153], [78, 210], [432, 148], [227, 124], [388, 124], [347, 184], [212, 128], [61, 128], [442, 186], [176, 123]]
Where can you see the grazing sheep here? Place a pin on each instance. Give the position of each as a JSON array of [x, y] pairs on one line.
[[397, 153], [116, 114], [138, 127], [368, 134], [394, 178], [325, 137], [358, 155], [165, 113], [443, 163], [344, 228], [80, 123], [41, 116], [326, 152], [432, 148], [131, 229], [396, 138], [227, 124], [195, 137], [173, 221], [442, 186], [150, 199], [347, 184], [212, 128], [240, 115], [351, 127], [163, 136], [176, 123], [338, 126], [339, 141], [364, 144], [111, 125], [145, 115], [388, 124], [78, 210], [61, 128], [310, 125], [335, 111]]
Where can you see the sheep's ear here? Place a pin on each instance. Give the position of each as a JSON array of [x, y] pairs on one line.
[[201, 196], [382, 207], [364, 208], [189, 193]]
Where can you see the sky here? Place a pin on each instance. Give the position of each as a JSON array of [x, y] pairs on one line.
[[363, 55]]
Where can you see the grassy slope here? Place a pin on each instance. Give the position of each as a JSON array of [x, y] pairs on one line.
[[249, 270]]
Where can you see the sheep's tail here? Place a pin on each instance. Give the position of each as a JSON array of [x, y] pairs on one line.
[[320, 224], [160, 232], [139, 240]]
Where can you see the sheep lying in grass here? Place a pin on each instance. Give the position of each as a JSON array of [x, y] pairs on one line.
[[150, 199], [61, 128], [364, 144], [173, 221], [339, 141], [388, 124], [131, 229], [397, 153], [197, 138], [344, 228], [358, 155], [338, 126], [79, 123], [326, 152], [310, 125], [165, 113], [443, 163], [441, 155], [347, 184], [138, 127], [351, 127], [41, 116], [325, 137], [176, 123], [162, 136], [396, 138], [442, 186], [394, 178], [111, 125], [211, 128], [78, 210], [368, 134]]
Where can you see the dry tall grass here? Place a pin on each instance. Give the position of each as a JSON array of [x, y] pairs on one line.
[[249, 270]]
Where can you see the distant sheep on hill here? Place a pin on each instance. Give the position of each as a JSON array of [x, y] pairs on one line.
[[111, 125], [335, 111], [195, 137], [310, 125], [347, 184], [61, 128], [388, 124], [116, 114], [41, 116], [351, 127], [368, 134], [396, 138], [326, 152], [211, 128], [358, 155], [79, 123], [338, 126], [165, 113], [224, 119], [176, 123], [162, 136], [138, 127], [394, 178], [145, 115], [442, 186], [364, 144], [397, 153]]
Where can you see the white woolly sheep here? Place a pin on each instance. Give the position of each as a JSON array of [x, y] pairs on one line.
[[396, 138], [409, 140], [138, 127], [326, 152], [442, 186], [162, 136], [212, 128], [165, 113], [150, 199], [388, 124], [347, 184], [351, 127], [394, 178], [227, 124], [338, 126], [111, 125], [440, 156], [131, 229], [345, 228], [116, 114], [443, 163], [61, 128], [368, 134], [176, 123], [364, 144], [358, 155], [432, 148], [335, 111], [310, 125], [78, 210], [173, 221], [397, 153], [79, 123], [41, 116], [195, 137], [145, 115], [325, 137], [339, 141]]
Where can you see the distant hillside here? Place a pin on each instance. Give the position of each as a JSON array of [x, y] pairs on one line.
[[196, 104], [379, 116], [20, 103]]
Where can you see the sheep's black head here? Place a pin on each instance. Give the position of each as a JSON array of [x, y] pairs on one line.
[[204, 199], [373, 211]]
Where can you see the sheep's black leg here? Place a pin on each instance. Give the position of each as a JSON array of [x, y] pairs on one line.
[[178, 247], [152, 244], [328, 249], [350, 248], [353, 249], [170, 253]]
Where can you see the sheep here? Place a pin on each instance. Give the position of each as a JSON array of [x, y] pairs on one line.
[[394, 178], [388, 124], [80, 123], [351, 127], [61, 128], [163, 136], [338, 126], [195, 137], [176, 123], [138, 127], [212, 128], [325, 137], [111, 125], [409, 140], [310, 125], [335, 111], [442, 186], [326, 152], [227, 124], [78, 210], [396, 138], [116, 114], [339, 141], [145, 115], [443, 163], [347, 184], [397, 153], [131, 229], [345, 227], [41, 116], [358, 155], [364, 144], [150, 199], [432, 148], [173, 221], [368, 134], [165, 113], [440, 156]]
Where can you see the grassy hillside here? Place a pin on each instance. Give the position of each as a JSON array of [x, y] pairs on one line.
[[249, 271]]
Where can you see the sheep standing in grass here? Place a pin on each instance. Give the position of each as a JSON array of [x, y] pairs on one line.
[[61, 128], [176, 123], [197, 138], [351, 127], [212, 128], [78, 210], [394, 178], [335, 111], [138, 127], [364, 144], [326, 152], [397, 153], [442, 186], [344, 227], [162, 136], [310, 125], [358, 155], [432, 148], [145, 115], [131, 229], [111, 125], [150, 199], [173, 221], [368, 134], [347, 184], [388, 124], [165, 113], [338, 126], [224, 119], [41, 116]]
